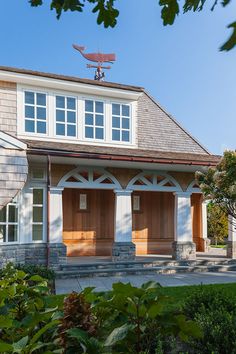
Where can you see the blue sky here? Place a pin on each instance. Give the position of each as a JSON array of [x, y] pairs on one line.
[[180, 66]]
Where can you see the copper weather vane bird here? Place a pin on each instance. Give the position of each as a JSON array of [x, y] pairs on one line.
[[98, 58]]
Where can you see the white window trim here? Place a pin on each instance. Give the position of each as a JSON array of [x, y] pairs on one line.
[[44, 223], [7, 223], [53, 102], [121, 129], [21, 109], [80, 118], [104, 121], [38, 167]]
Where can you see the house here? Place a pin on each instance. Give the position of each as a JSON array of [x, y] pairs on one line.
[[94, 168]]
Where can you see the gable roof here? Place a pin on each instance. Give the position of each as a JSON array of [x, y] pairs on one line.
[[158, 130]]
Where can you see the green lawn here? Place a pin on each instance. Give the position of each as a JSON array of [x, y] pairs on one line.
[[218, 246], [179, 293]]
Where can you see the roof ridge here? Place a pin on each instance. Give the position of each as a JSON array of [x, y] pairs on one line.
[[72, 78], [176, 122]]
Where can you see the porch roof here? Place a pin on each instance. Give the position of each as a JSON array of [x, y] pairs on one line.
[[118, 154]]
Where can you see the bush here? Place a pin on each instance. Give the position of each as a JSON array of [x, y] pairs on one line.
[[124, 320], [27, 323], [33, 269], [215, 312]]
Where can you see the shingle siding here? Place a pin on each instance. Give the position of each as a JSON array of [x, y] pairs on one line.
[[156, 130], [8, 107], [13, 172]]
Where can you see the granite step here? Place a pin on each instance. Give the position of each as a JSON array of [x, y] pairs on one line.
[[142, 264], [103, 272]]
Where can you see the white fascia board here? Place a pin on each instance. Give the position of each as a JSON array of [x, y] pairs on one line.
[[9, 142], [45, 82]]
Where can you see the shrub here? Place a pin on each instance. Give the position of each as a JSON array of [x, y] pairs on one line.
[[215, 312], [124, 320], [27, 323], [41, 270]]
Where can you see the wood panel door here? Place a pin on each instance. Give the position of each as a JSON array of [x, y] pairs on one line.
[[88, 222]]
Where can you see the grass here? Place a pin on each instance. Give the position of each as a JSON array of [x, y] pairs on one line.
[[179, 293], [218, 246]]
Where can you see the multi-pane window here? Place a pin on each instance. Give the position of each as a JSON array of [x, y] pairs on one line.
[[35, 112], [38, 219], [9, 223], [120, 122], [94, 119], [65, 116]]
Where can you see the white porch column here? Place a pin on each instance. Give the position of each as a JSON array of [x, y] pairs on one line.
[[183, 247], [123, 248], [231, 244], [57, 250], [55, 215], [205, 240]]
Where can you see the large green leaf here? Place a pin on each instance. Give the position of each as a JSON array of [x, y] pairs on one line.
[[5, 322], [5, 347], [118, 334], [43, 330], [20, 345]]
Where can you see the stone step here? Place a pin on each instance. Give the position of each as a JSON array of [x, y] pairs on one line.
[[142, 264], [144, 270]]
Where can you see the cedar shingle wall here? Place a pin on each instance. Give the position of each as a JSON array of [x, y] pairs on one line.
[[8, 107], [13, 173], [157, 131]]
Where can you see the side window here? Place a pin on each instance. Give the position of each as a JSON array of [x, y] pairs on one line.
[[35, 112], [94, 120], [9, 223], [120, 122], [38, 215], [66, 116]]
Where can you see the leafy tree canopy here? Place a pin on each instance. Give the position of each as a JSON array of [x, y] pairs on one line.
[[219, 184], [107, 13], [217, 223]]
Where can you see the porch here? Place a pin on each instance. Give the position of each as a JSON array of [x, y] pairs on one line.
[[213, 254], [98, 213]]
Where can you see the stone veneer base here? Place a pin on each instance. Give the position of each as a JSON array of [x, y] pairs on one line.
[[33, 253], [123, 251], [184, 250], [231, 249]]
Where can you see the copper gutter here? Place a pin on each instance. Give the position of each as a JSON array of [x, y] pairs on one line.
[[121, 158]]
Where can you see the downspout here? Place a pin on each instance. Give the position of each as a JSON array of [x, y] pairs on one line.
[[48, 208]]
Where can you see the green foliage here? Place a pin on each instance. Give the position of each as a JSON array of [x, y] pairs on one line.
[[132, 320], [215, 312], [219, 184], [33, 269], [107, 13], [217, 223], [27, 324]]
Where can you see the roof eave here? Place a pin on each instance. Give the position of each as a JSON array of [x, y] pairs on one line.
[[112, 157]]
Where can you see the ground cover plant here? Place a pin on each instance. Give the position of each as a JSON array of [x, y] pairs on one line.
[[127, 319]]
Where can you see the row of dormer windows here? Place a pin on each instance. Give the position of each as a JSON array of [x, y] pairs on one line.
[[67, 117]]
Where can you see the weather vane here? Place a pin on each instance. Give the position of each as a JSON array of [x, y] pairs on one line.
[[98, 58]]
